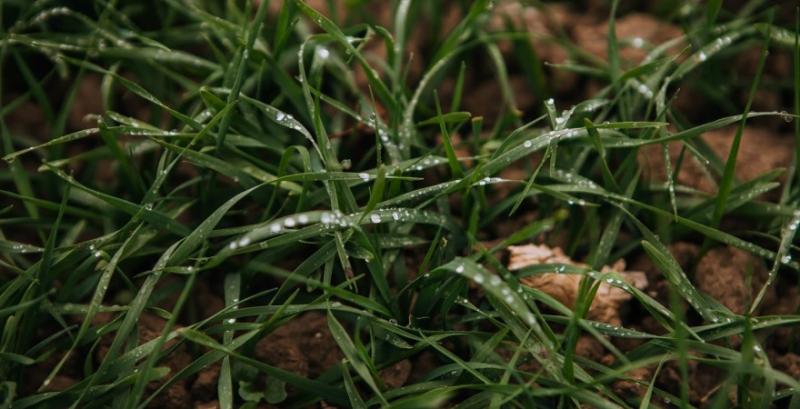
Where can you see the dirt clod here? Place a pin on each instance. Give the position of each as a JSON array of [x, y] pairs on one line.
[[589, 348], [396, 375], [204, 387], [760, 151], [636, 32], [787, 363], [636, 382], [543, 24], [304, 345], [723, 273]]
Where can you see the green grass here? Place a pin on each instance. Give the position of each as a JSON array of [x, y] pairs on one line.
[[266, 153]]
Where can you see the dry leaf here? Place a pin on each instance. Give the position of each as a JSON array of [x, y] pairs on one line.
[[564, 287]]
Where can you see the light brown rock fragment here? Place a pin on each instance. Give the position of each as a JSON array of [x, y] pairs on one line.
[[564, 287]]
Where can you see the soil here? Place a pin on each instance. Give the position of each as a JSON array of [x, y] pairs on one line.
[[788, 303], [88, 101], [760, 151], [704, 381], [304, 345], [396, 375], [788, 363], [636, 382], [724, 273], [637, 33], [544, 24]]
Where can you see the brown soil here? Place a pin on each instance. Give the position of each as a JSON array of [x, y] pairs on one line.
[[304, 345], [724, 274], [88, 100], [760, 151], [630, 30], [788, 303], [788, 363], [204, 387], [704, 381], [590, 348], [544, 24], [396, 375]]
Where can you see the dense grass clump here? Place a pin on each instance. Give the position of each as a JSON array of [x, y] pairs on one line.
[[297, 203]]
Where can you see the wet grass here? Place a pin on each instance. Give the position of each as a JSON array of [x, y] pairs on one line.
[[266, 152]]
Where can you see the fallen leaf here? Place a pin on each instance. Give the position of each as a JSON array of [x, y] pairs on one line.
[[564, 287]]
